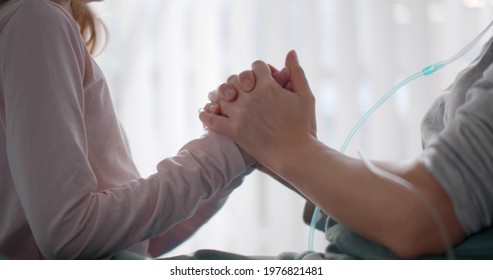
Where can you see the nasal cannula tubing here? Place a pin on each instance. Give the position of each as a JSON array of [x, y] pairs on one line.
[[424, 72]]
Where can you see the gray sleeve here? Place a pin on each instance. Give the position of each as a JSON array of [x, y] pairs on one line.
[[432, 122], [461, 157]]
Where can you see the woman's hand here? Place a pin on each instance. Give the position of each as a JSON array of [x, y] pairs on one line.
[[246, 79], [269, 120], [227, 92]]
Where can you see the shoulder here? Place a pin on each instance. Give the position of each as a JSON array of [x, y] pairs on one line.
[[40, 35], [34, 7], [35, 16], [38, 24]]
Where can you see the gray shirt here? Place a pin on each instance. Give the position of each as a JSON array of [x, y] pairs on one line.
[[457, 135], [458, 142]]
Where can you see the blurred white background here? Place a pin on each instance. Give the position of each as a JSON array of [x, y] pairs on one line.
[[164, 56]]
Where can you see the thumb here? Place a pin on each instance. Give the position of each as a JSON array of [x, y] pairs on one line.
[[297, 75], [216, 123], [300, 83]]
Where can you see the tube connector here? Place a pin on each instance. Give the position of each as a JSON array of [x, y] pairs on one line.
[[428, 70]]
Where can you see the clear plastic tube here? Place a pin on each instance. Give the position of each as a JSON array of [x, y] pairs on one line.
[[424, 72], [468, 46]]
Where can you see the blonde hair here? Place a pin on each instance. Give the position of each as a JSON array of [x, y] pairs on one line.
[[92, 29]]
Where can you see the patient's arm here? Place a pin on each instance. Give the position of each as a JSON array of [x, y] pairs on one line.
[[278, 128], [377, 209], [309, 206]]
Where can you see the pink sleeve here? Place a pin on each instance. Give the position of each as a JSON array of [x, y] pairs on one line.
[[43, 78], [207, 208]]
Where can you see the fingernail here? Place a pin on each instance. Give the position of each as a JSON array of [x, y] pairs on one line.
[[247, 84], [229, 93]]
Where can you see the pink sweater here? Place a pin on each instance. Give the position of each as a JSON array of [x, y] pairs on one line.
[[68, 185]]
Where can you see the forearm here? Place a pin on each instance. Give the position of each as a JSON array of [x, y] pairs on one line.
[[374, 207], [309, 206], [180, 232]]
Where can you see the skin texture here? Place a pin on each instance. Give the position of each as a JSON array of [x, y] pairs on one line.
[[276, 125], [227, 92]]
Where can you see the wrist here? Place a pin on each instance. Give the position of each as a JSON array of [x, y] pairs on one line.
[[249, 160], [291, 155]]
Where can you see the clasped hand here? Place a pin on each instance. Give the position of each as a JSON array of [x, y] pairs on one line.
[[266, 112]]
